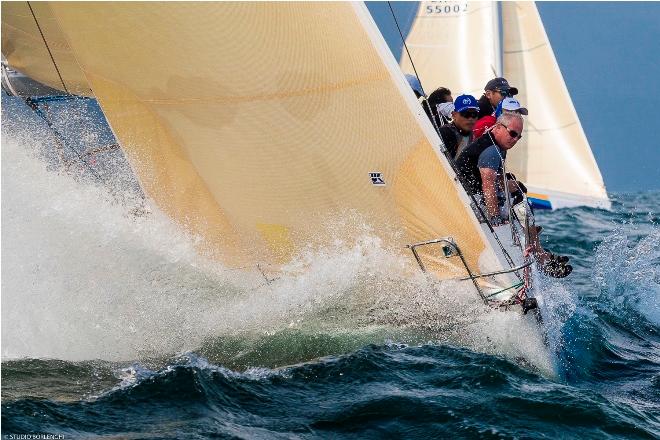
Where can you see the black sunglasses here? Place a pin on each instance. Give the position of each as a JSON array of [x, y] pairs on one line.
[[513, 133], [470, 114], [505, 93]]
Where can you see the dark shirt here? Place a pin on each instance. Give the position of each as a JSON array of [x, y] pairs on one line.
[[482, 153], [452, 136]]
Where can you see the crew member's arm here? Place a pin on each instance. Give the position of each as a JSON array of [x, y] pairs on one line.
[[488, 186]]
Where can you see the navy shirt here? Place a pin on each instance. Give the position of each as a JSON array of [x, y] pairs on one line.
[[482, 153]]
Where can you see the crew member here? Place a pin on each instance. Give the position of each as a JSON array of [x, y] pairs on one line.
[[439, 106], [457, 134], [481, 168], [495, 91], [507, 105]]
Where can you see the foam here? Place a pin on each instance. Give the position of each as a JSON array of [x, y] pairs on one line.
[[83, 279]]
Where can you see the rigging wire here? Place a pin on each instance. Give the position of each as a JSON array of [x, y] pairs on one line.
[[450, 159], [425, 102], [406, 47], [47, 47], [33, 103]]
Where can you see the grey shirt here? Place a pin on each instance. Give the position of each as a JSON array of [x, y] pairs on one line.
[[492, 157]]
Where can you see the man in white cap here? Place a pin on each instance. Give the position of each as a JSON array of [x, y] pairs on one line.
[[507, 105]]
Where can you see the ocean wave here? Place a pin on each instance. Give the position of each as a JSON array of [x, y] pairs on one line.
[[405, 391]]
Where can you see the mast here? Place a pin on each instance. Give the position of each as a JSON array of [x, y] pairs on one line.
[[497, 28]]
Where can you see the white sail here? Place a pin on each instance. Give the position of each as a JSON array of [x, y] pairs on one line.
[[454, 44], [258, 137], [553, 158]]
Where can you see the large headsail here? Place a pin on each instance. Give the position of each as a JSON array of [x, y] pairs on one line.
[[33, 44], [454, 44], [553, 157], [270, 122]]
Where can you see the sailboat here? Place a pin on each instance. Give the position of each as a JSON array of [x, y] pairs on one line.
[[258, 137], [457, 45]]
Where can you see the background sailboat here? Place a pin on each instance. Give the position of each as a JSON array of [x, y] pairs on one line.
[[456, 44], [554, 156]]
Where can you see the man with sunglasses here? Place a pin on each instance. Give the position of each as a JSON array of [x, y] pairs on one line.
[[480, 165], [458, 133], [495, 91]]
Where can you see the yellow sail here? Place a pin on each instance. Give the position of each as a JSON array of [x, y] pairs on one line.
[[260, 126], [453, 44], [553, 158], [33, 44]]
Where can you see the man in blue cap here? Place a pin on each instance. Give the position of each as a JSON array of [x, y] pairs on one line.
[[458, 133], [495, 91]]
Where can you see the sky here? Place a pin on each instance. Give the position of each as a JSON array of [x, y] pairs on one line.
[[609, 54]]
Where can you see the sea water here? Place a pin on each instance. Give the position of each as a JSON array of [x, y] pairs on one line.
[[113, 326]]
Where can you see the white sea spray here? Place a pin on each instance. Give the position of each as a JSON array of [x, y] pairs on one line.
[[85, 278]]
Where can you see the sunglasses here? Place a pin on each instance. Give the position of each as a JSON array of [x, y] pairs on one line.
[[513, 133], [504, 93], [470, 114]]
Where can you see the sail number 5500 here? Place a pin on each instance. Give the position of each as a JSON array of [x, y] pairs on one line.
[[446, 8]]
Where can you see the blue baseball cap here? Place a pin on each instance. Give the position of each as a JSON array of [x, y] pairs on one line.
[[465, 102]]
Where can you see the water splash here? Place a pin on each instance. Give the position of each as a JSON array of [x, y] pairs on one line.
[[627, 274], [85, 278]]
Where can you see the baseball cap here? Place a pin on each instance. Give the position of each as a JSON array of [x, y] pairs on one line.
[[513, 104], [464, 102], [415, 84], [500, 84]]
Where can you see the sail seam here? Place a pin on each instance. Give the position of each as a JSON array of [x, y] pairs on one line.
[[47, 48], [561, 127], [526, 50], [269, 96]]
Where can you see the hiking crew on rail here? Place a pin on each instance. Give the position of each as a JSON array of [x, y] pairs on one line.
[[477, 137]]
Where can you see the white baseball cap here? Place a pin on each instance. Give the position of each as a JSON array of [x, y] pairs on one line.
[[512, 104]]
